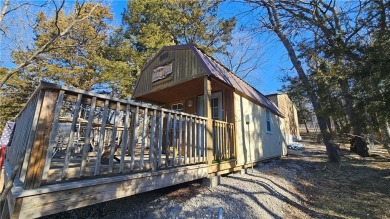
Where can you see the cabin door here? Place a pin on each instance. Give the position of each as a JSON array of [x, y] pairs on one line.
[[216, 106]]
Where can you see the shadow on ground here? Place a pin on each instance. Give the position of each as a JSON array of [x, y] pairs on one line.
[[301, 185]]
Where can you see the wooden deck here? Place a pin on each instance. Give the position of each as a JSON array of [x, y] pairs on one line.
[[50, 199], [77, 148]]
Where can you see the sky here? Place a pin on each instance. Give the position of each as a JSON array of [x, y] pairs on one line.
[[266, 79]]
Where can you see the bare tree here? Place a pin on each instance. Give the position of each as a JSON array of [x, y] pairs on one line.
[[35, 52], [244, 56], [17, 19], [271, 20], [4, 10]]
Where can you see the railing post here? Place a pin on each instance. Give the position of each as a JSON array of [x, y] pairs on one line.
[[31, 133], [37, 158], [207, 112], [152, 148]]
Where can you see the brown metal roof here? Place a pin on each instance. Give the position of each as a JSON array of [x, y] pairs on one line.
[[213, 67]]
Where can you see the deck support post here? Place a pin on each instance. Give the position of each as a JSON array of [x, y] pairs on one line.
[[243, 171], [211, 181], [207, 113]]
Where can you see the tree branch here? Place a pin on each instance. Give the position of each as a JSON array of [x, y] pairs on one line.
[[4, 10], [45, 47]]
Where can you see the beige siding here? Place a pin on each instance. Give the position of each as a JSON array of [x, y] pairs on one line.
[[287, 107], [185, 67], [253, 143], [274, 99]]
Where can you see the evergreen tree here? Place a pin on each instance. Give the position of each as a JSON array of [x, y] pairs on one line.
[[14, 96], [80, 58], [150, 25], [339, 51], [73, 59]]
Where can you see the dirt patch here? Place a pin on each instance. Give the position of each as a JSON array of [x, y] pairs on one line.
[[184, 192]]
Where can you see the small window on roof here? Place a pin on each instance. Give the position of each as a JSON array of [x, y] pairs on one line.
[[268, 119]]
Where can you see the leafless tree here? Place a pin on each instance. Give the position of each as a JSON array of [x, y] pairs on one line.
[[244, 56], [272, 18]]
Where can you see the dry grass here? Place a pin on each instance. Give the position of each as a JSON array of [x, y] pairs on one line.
[[355, 188]]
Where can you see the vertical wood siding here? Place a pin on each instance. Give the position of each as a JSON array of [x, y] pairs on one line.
[[185, 67]]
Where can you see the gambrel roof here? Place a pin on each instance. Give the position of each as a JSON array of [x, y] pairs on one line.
[[215, 69]]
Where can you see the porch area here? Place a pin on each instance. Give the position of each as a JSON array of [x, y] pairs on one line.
[[73, 148]]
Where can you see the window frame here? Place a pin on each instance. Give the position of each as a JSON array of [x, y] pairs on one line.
[[220, 109], [216, 109], [268, 121], [182, 110], [177, 104]]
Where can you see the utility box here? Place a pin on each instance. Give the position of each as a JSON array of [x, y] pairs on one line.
[[248, 118]]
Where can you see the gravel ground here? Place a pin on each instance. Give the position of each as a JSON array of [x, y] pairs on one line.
[[301, 185], [263, 192]]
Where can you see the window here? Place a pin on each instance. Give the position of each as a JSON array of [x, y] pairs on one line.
[[178, 107], [215, 108], [268, 118], [215, 103]]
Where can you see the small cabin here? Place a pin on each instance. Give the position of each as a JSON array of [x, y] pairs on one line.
[[192, 119], [185, 79]]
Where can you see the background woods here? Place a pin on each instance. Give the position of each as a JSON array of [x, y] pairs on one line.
[[329, 44], [338, 51]]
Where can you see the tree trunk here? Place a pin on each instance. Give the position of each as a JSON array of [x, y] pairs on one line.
[[336, 125], [305, 123], [387, 136], [359, 146], [332, 152], [329, 124], [331, 148]]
